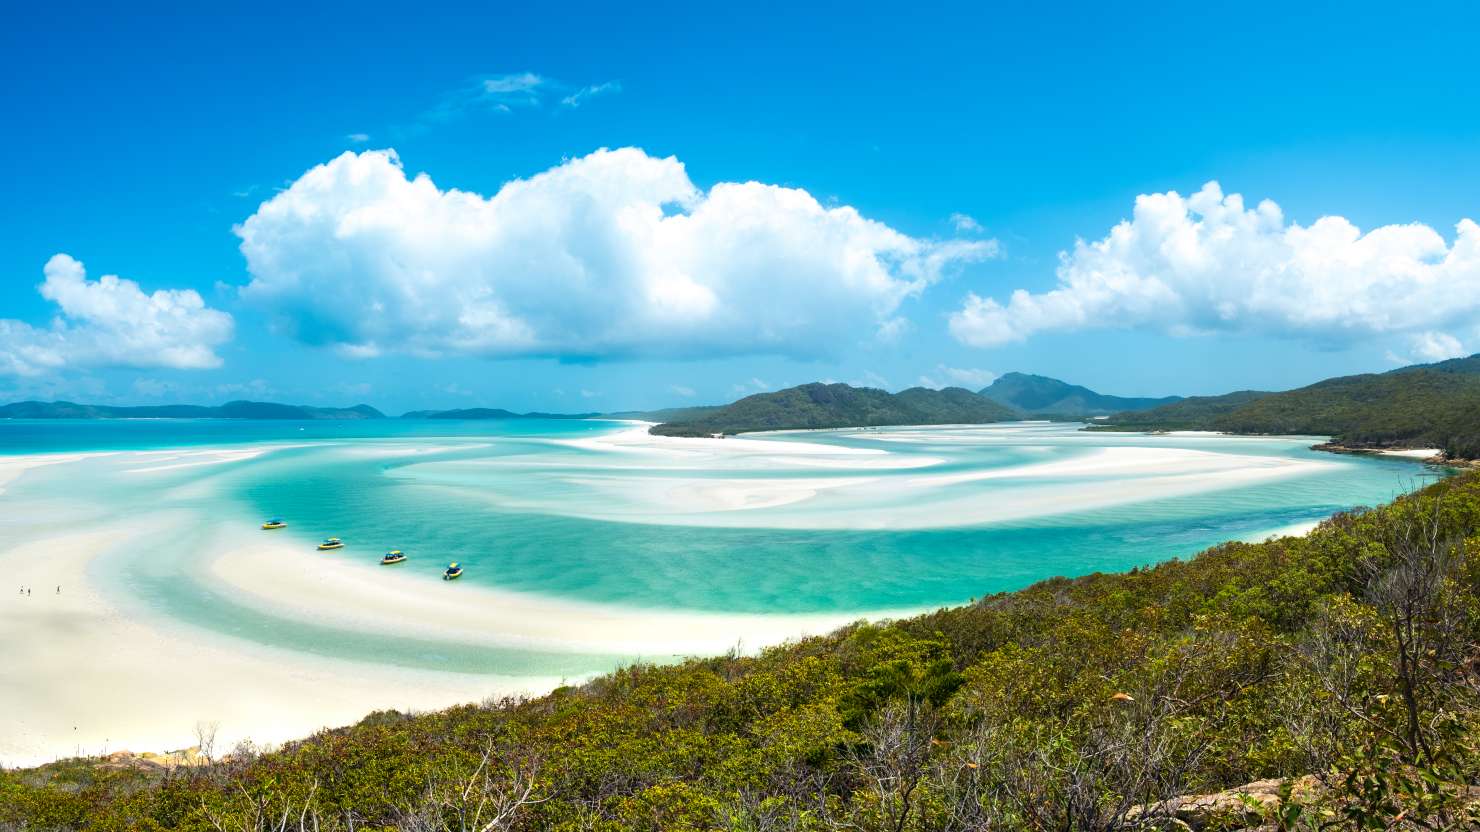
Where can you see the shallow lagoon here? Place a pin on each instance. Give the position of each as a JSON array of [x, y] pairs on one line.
[[848, 521]]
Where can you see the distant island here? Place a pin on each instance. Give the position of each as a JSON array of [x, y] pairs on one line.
[[1012, 397], [1421, 406], [820, 405], [230, 410]]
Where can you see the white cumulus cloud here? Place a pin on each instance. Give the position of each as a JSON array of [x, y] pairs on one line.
[[112, 322], [1206, 263], [1437, 346], [613, 254]]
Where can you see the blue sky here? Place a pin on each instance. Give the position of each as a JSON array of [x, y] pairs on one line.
[[906, 162]]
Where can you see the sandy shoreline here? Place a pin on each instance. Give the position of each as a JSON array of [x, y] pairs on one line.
[[356, 596], [82, 676]]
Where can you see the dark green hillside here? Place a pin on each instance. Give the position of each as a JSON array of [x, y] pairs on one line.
[[1044, 396], [1192, 413], [230, 410], [953, 405], [1430, 405], [838, 406], [1349, 658]]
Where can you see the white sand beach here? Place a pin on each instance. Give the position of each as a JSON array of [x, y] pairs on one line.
[[80, 675], [1415, 453], [83, 675], [356, 596]]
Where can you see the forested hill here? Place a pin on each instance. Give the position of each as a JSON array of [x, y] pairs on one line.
[[820, 405], [1044, 396], [1426, 405], [1191, 413], [1344, 664], [230, 410]]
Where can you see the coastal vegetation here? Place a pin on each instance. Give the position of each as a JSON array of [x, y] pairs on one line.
[[1013, 396], [1191, 413], [820, 405], [1330, 681], [1044, 397], [1427, 405]]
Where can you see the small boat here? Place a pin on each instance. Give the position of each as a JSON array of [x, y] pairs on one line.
[[331, 543], [393, 556], [275, 523], [453, 572]]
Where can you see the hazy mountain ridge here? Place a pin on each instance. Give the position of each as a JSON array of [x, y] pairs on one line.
[[1043, 396], [230, 410]]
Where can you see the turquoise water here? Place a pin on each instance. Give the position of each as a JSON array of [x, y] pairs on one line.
[[29, 436], [810, 524]]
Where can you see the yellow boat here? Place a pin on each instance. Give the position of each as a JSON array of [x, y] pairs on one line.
[[393, 556], [453, 572], [275, 523], [331, 543]]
